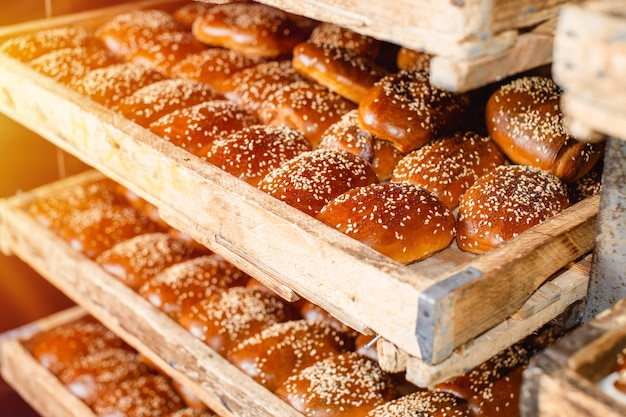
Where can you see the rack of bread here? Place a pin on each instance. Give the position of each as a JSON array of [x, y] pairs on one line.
[[440, 302]]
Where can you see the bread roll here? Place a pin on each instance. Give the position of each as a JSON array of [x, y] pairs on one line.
[[164, 50], [89, 377], [30, 46], [252, 28], [406, 109], [425, 404], [111, 84], [312, 179], [524, 118], [504, 203], [192, 412], [283, 349], [402, 221], [228, 317], [341, 70], [346, 385], [195, 127], [146, 396], [251, 86], [251, 153], [450, 165], [213, 66], [314, 313], [412, 60], [187, 13], [347, 134], [156, 100], [127, 32], [587, 185], [136, 260], [335, 35], [58, 348], [91, 217], [177, 288], [68, 65], [305, 106]]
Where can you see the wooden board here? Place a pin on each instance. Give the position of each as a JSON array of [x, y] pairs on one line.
[[566, 379], [421, 308], [34, 383], [589, 64], [188, 359]]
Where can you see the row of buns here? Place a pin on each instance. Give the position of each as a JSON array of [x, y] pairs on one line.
[[323, 118]]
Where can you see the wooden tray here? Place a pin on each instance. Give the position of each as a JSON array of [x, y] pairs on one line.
[[590, 63], [34, 383], [426, 310], [565, 379], [119, 308]]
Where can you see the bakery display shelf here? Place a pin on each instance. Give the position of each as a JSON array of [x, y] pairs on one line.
[[475, 42], [169, 345], [589, 64], [34, 383], [220, 385], [575, 376], [426, 310]]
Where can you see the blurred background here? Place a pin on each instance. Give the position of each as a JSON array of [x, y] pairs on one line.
[[28, 161]]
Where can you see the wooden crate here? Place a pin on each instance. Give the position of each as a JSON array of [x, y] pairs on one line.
[[426, 310], [567, 378], [590, 63], [475, 42], [35, 384]]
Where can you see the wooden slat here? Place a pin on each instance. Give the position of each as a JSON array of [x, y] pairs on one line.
[[565, 379], [590, 63]]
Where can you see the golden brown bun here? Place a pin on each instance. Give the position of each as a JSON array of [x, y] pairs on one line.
[[142, 206], [524, 118], [127, 32], [450, 165], [402, 221], [283, 349], [406, 109], [493, 388], [177, 288], [111, 84], [252, 28], [305, 106], [192, 412], [339, 69], [28, 47], [166, 49], [412, 60], [58, 348], [314, 313], [504, 203], [156, 100], [365, 345], [331, 34], [136, 260], [228, 317], [213, 66], [91, 217], [251, 86], [193, 128], [187, 13], [89, 377], [346, 385], [347, 134], [69, 65], [146, 396], [251, 153], [191, 400], [586, 186], [312, 179], [425, 404]]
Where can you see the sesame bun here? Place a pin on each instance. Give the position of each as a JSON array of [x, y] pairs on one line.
[[30, 46], [424, 404], [312, 179], [401, 221], [331, 34], [450, 165], [406, 109], [524, 118], [68, 65], [412, 60], [506, 202]]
